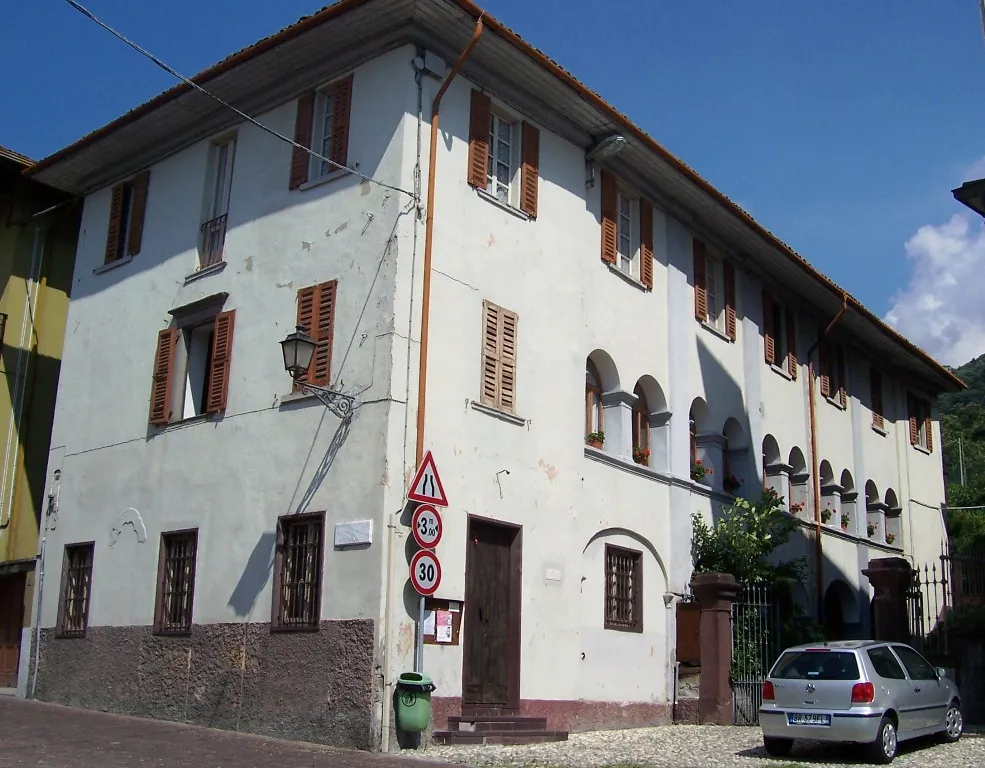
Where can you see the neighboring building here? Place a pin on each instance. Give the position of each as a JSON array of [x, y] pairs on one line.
[[36, 255], [234, 554]]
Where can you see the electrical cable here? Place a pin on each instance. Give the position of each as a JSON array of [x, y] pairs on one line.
[[87, 13]]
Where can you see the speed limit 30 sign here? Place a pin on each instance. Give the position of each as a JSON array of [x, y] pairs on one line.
[[425, 572], [426, 526]]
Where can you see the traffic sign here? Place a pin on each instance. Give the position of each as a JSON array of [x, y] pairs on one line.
[[427, 488], [426, 526], [425, 572]]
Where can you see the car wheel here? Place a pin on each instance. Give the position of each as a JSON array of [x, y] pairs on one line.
[[953, 724], [777, 747], [884, 747]]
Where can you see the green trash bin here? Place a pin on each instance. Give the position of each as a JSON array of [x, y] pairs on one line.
[[414, 702]]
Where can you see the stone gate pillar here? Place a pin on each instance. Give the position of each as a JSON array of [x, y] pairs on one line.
[[890, 577], [715, 593]]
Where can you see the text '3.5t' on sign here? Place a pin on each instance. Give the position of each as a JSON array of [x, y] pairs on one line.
[[426, 526], [427, 488], [425, 572]]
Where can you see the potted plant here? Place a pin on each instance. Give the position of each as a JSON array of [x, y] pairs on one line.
[[890, 538], [871, 529], [699, 470], [595, 439], [845, 520], [641, 455], [796, 507], [826, 515], [731, 483]]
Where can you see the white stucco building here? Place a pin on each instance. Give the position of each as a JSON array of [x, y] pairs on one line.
[[577, 283]]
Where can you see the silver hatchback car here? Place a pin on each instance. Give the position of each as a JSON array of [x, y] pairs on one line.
[[864, 691]]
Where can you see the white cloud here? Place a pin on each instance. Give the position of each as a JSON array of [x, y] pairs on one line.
[[942, 310]]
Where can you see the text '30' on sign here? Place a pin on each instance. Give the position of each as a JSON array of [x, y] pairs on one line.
[[425, 572], [426, 526], [427, 488]]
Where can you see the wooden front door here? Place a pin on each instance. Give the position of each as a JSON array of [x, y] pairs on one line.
[[11, 619], [491, 666]]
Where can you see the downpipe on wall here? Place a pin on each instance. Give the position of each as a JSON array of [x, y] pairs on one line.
[[8, 482], [818, 546], [50, 511]]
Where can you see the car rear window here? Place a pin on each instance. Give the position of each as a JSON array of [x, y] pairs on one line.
[[816, 665]]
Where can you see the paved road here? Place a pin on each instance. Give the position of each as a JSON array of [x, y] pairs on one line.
[[49, 736]]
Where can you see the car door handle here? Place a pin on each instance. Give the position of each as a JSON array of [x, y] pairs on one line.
[[916, 690]]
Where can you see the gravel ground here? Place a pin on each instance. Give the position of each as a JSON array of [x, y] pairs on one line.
[[695, 746]]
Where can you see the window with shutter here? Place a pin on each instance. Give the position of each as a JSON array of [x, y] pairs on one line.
[[700, 281], [499, 358], [322, 124], [728, 275], [646, 244], [832, 370], [212, 239], [875, 385], [192, 367], [921, 423], [316, 314], [128, 207], [791, 343]]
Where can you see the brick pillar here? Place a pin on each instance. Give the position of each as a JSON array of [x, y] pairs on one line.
[[715, 593], [890, 578]]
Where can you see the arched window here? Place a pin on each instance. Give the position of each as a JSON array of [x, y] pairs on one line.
[[593, 400], [641, 428]]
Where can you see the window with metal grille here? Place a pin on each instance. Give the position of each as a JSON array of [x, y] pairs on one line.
[[76, 589], [298, 572], [176, 582], [623, 589]]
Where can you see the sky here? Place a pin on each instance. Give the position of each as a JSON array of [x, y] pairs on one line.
[[841, 126]]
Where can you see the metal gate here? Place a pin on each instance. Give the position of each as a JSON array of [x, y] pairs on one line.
[[755, 645]]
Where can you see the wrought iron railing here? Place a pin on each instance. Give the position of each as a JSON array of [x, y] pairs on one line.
[[213, 240]]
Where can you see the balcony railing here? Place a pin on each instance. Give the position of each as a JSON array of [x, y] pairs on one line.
[[213, 240]]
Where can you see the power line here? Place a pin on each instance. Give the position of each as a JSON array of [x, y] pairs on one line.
[[88, 14]]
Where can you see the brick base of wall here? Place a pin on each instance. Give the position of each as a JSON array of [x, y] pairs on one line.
[[572, 715]]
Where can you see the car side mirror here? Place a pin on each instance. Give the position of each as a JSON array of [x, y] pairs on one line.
[[941, 673]]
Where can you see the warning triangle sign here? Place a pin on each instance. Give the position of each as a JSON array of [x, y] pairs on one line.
[[427, 488]]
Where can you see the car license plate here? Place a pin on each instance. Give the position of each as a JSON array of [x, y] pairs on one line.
[[803, 718]]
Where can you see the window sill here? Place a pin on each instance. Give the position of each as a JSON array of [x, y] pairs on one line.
[[637, 630], [213, 269], [328, 178], [781, 372], [837, 403], [187, 422], [509, 418], [628, 278], [295, 397], [71, 635], [715, 331], [113, 265], [295, 627], [172, 632], [925, 451], [504, 206], [880, 430]]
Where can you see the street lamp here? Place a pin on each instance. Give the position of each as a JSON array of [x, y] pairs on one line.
[[298, 348]]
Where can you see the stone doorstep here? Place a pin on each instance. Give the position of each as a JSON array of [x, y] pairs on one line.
[[504, 738], [472, 724]]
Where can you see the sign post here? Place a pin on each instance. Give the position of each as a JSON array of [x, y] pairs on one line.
[[426, 526]]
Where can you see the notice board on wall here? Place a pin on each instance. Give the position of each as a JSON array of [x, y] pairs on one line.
[[442, 621]]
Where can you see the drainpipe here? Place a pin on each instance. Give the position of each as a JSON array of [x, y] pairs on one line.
[[814, 462], [429, 237]]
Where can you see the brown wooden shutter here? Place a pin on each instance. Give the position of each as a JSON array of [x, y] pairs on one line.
[[530, 170], [222, 351], [769, 332], [341, 112], [160, 394], [303, 123], [507, 361], [911, 408], [610, 231], [825, 366], [321, 361], [138, 209], [791, 343], [875, 385], [646, 243], [928, 421], [842, 398], [306, 319], [490, 354], [729, 274], [115, 222], [479, 138], [700, 280]]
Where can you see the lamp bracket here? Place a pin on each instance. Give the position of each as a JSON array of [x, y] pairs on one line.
[[339, 404]]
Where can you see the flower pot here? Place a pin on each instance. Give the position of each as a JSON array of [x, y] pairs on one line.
[[595, 444], [844, 527]]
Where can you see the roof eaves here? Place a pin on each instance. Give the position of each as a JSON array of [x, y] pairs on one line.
[[16, 157]]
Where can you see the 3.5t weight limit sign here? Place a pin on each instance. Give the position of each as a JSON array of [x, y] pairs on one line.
[[425, 572], [426, 526]]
